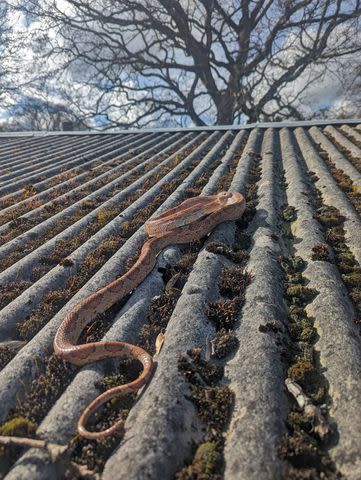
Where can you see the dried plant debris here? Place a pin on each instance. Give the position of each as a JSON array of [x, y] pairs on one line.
[[312, 413]]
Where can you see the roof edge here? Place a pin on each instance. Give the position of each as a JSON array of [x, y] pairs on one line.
[[291, 124]]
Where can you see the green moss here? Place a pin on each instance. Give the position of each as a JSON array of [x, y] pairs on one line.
[[289, 214], [19, 427], [300, 293], [352, 279], [207, 463], [302, 331]]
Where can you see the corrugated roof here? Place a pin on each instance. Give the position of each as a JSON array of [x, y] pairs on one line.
[[273, 296]]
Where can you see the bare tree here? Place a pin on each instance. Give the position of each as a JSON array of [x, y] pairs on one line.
[[208, 61], [4, 49], [31, 114]]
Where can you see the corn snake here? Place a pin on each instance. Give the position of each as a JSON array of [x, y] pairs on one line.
[[191, 220]]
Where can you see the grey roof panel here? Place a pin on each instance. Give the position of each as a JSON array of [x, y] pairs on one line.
[[73, 212]]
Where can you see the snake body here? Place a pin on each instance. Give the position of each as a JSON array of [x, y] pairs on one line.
[[191, 220]]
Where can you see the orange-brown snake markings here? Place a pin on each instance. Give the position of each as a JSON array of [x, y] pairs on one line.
[[191, 220]]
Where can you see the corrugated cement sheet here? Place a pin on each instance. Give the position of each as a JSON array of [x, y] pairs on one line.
[[276, 295]]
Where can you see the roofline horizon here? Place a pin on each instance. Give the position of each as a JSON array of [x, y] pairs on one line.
[[291, 124]]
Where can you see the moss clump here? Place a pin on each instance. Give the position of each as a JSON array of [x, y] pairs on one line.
[[159, 313], [268, 327], [29, 190], [224, 343], [352, 279], [207, 463], [302, 371], [305, 373], [233, 281], [46, 389], [6, 355], [292, 264], [300, 449], [186, 262], [9, 291], [213, 405], [224, 313], [94, 454], [299, 293], [334, 235], [193, 368], [289, 214], [320, 252], [66, 262], [329, 217], [302, 331], [20, 427], [296, 278], [313, 177], [234, 255]]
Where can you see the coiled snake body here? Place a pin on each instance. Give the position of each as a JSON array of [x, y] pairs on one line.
[[190, 221]]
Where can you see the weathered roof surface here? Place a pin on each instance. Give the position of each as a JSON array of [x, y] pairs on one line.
[[276, 295]]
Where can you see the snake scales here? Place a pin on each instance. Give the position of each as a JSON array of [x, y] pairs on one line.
[[191, 220]]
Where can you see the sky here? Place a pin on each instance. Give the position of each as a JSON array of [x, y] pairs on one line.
[[330, 92]]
